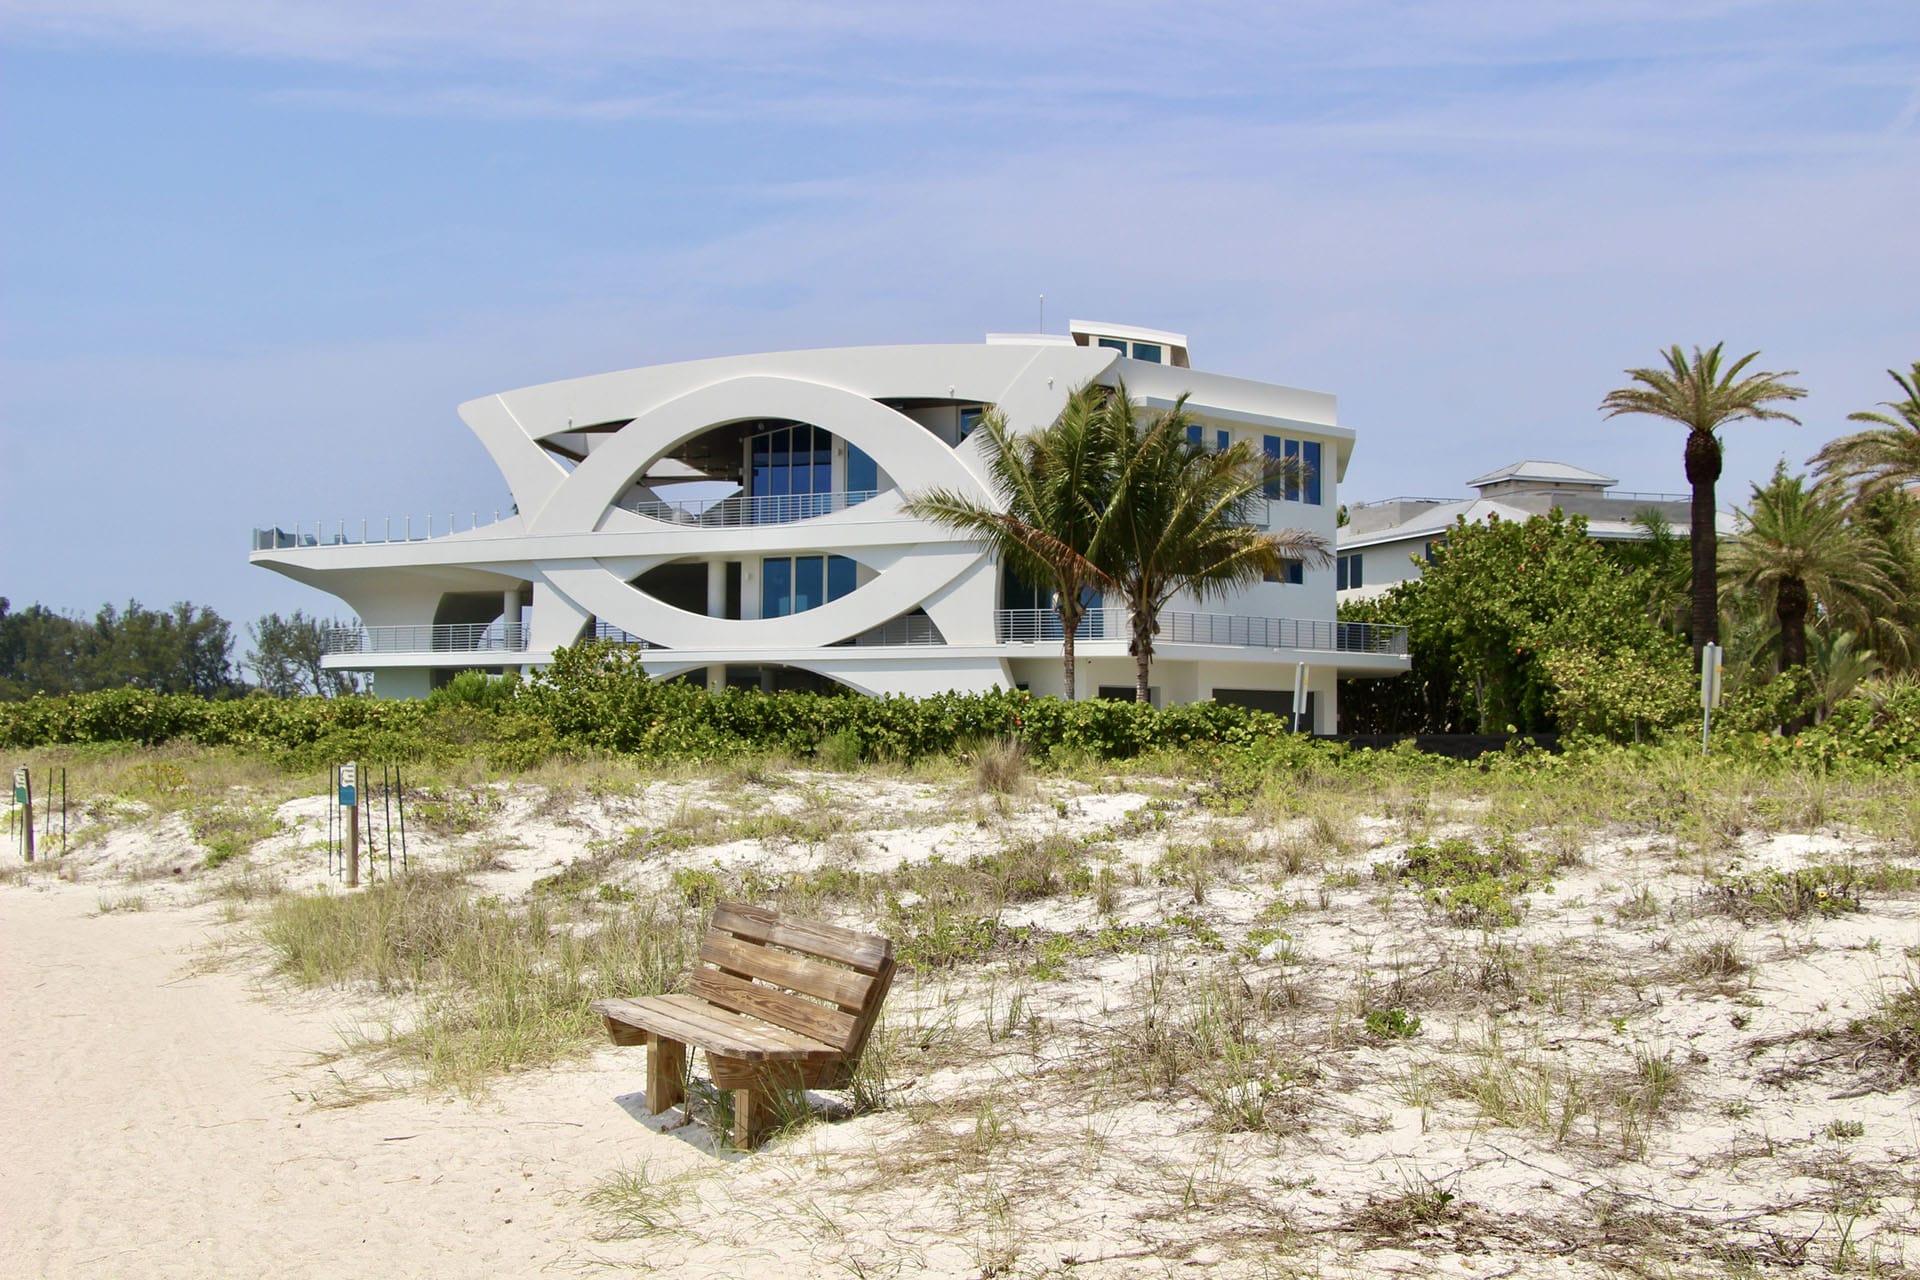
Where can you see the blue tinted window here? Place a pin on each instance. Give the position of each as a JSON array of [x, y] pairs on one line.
[[969, 419], [1270, 445], [1293, 475], [1147, 351], [776, 588], [863, 475], [1310, 455], [842, 577], [809, 583], [1223, 440], [1114, 344], [1193, 435], [1294, 572]]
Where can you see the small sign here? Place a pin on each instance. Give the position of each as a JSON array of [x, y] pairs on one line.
[[349, 783], [20, 785]]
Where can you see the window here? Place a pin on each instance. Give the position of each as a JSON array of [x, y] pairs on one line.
[[969, 419], [1193, 434], [863, 474], [1222, 440], [789, 586], [1292, 573], [791, 462], [1303, 459], [1347, 572], [1114, 344], [1148, 351]]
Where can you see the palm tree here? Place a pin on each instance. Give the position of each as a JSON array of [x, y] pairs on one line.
[[1051, 505], [1796, 550], [1183, 520], [1701, 397], [1887, 456]]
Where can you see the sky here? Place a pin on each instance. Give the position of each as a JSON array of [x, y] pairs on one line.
[[254, 252]]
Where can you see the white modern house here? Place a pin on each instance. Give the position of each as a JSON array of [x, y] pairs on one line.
[[1390, 540], [739, 518]]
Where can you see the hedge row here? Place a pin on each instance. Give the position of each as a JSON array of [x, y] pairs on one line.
[[601, 699]]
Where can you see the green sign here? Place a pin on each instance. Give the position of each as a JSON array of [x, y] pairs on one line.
[[19, 786]]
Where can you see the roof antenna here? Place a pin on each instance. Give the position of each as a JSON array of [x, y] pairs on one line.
[[1043, 313]]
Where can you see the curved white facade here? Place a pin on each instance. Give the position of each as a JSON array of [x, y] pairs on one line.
[[741, 517]]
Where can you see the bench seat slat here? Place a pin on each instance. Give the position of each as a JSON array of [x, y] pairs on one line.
[[864, 951], [692, 1020], [845, 987], [796, 1013]]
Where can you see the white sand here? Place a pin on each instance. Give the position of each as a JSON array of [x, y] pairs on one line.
[[156, 1123], [160, 1116]]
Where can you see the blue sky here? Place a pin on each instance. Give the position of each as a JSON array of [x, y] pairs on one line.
[[253, 252]]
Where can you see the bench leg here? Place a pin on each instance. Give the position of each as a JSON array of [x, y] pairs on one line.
[[763, 1096], [666, 1072]]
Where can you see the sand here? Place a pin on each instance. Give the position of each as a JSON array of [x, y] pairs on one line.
[[157, 1122], [168, 1108]]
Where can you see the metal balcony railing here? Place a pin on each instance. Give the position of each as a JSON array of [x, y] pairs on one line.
[[742, 511], [1031, 626], [446, 637], [354, 533]]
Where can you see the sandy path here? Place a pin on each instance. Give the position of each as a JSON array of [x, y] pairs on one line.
[[153, 1123]]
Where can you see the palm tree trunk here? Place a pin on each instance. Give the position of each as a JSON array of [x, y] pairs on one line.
[[1791, 609], [1144, 625], [1070, 615], [1703, 470]]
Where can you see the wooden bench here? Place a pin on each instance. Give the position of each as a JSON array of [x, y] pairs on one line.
[[778, 1004]]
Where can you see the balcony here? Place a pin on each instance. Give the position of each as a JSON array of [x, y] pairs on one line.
[[1039, 626], [741, 511], [348, 533], [454, 637]]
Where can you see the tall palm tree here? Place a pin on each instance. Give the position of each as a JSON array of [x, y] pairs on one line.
[[1701, 396], [1051, 506], [1796, 551], [1183, 520], [1887, 455]]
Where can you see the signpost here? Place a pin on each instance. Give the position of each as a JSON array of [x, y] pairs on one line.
[[1709, 691], [23, 796], [350, 801], [1299, 693]]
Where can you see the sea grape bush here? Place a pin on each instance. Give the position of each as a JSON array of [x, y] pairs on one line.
[[597, 698]]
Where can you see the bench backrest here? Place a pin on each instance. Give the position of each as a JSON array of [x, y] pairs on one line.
[[759, 962]]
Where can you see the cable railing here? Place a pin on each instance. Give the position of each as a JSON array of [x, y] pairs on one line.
[[739, 510], [1032, 626], [355, 533], [439, 637]]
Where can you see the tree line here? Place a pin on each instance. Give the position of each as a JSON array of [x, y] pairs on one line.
[[1816, 599], [186, 649]]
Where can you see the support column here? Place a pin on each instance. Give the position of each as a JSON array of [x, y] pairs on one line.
[[511, 615], [716, 588]]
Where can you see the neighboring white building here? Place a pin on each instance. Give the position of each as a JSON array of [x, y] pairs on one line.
[[1390, 540], [740, 518]]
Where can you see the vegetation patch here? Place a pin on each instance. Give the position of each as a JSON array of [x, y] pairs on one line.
[[1471, 885]]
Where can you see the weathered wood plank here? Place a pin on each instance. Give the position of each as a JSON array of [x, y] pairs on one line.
[[825, 1023], [864, 951], [690, 1019], [848, 988]]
